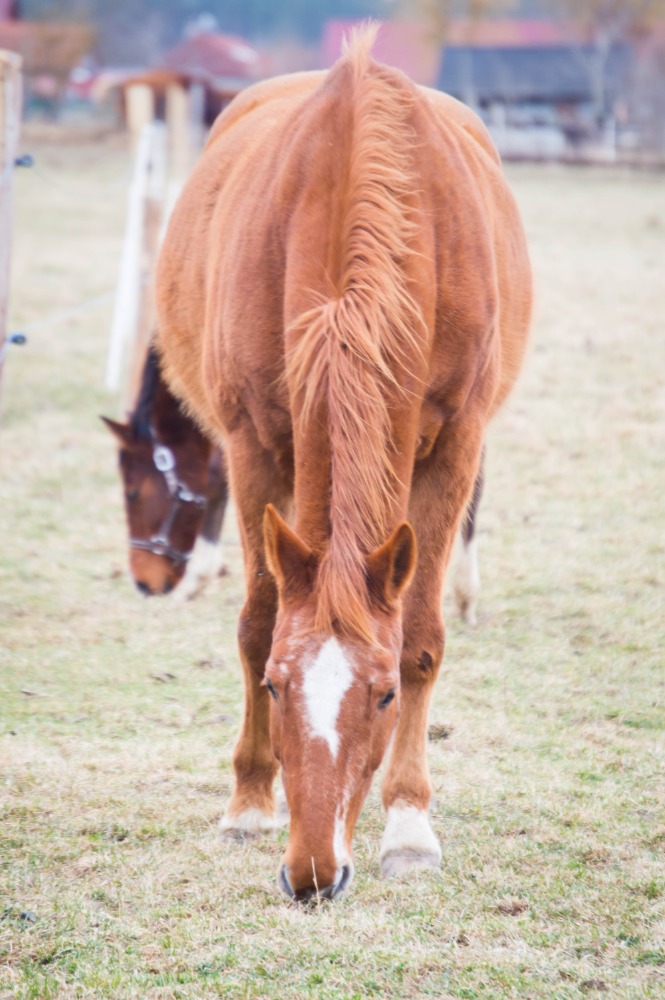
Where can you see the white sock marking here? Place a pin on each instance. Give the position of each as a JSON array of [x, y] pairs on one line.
[[205, 563], [408, 829], [250, 821], [326, 682]]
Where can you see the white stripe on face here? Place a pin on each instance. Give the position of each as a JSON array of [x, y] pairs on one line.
[[326, 682], [339, 840]]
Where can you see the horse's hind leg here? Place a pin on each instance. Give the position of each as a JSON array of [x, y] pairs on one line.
[[441, 486], [256, 482], [466, 578]]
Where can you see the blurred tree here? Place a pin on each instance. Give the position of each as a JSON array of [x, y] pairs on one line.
[[52, 44], [438, 14], [602, 24], [131, 31], [609, 21]]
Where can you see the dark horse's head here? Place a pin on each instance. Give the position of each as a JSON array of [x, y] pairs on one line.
[[163, 461]]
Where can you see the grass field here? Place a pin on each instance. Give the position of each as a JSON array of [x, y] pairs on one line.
[[118, 715]]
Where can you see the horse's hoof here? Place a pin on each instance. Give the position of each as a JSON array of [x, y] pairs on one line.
[[247, 825], [467, 611], [233, 836], [398, 863], [408, 841]]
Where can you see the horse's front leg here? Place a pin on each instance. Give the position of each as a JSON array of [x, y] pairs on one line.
[[256, 481], [441, 487]]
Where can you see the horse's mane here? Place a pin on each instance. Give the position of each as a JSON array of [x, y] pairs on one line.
[[141, 417], [351, 350]]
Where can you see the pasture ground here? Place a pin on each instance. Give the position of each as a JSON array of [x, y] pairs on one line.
[[118, 715]]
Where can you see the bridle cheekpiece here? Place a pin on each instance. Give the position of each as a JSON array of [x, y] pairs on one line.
[[159, 544]]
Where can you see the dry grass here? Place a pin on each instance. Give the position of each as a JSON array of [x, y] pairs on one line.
[[549, 781]]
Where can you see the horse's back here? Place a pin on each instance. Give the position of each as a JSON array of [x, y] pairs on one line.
[[255, 239]]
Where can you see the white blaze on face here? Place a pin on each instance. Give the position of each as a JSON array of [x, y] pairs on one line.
[[339, 839], [327, 679]]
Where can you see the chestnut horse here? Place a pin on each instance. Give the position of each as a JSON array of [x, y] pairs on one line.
[[344, 297], [175, 490]]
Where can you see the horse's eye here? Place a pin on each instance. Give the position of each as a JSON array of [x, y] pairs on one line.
[[132, 494], [271, 689], [387, 698]]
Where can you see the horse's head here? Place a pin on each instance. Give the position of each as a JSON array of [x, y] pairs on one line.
[[165, 495], [334, 703]]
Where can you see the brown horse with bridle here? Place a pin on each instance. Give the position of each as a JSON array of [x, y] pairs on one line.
[[344, 295], [175, 490]]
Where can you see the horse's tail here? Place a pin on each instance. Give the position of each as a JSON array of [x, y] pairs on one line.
[[354, 350]]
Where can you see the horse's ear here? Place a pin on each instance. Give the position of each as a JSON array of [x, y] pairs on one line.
[[291, 562], [390, 568], [122, 432]]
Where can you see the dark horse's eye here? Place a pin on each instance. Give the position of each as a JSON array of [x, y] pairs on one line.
[[387, 698], [132, 494], [271, 689]]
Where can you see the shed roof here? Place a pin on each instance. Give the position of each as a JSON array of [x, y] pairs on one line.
[[548, 73], [215, 56]]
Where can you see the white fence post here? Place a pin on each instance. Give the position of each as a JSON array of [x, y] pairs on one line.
[[153, 220], [164, 157], [128, 295]]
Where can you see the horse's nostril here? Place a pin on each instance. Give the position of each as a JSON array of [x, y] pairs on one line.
[[311, 894], [343, 881], [168, 587], [284, 883], [143, 588]]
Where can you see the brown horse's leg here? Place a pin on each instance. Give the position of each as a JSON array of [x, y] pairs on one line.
[[441, 487], [256, 481]]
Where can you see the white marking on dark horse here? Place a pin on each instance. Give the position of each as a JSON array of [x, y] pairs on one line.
[[205, 564]]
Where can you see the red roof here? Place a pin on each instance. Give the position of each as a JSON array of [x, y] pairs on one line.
[[412, 48], [215, 56], [511, 34], [407, 45]]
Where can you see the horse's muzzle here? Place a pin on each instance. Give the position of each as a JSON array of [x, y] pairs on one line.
[[311, 894]]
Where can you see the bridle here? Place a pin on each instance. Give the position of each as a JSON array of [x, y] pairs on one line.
[[159, 544]]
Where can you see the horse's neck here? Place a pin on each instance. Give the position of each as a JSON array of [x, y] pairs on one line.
[[313, 478]]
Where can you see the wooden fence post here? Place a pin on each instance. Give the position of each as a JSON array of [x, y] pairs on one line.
[[152, 192], [153, 221], [179, 128], [140, 109], [128, 295], [10, 124]]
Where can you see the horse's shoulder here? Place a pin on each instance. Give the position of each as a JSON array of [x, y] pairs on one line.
[[290, 88], [461, 116]]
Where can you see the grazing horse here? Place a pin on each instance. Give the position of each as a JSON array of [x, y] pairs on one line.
[[344, 296], [175, 491]]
